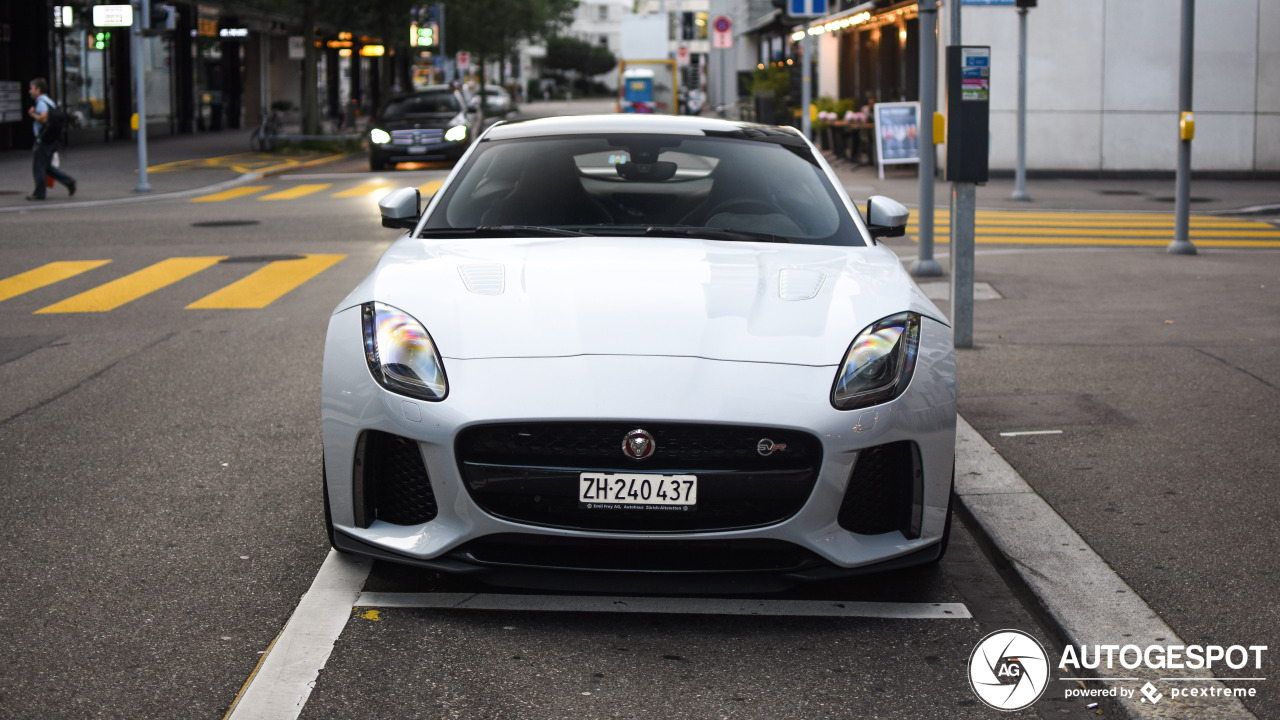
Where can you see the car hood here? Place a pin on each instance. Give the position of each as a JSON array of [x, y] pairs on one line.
[[555, 297]]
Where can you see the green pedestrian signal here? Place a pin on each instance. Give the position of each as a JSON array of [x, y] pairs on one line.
[[101, 41], [427, 36]]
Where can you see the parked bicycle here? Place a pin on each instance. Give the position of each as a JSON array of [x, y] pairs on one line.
[[265, 136]]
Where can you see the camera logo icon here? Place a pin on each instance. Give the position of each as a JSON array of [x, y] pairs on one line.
[[1009, 670]]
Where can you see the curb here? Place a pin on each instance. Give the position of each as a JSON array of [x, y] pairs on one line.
[[242, 179], [1080, 594]]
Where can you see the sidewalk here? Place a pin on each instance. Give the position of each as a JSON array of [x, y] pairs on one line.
[[1099, 195], [109, 171]]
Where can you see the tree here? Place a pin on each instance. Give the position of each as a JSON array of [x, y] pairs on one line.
[[491, 28]]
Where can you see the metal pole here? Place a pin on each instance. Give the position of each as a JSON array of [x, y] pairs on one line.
[[962, 265], [1020, 175], [805, 51], [1181, 244], [925, 265], [140, 85], [955, 21]]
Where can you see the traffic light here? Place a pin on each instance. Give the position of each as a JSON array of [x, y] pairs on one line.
[[102, 41], [425, 35]]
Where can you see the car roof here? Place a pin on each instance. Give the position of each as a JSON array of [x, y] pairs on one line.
[[641, 123]]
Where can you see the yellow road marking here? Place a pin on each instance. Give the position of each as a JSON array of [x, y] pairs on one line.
[[133, 286], [430, 188], [985, 240], [368, 188], [231, 194], [1115, 232], [988, 222], [1070, 216], [267, 284], [296, 191], [47, 274]]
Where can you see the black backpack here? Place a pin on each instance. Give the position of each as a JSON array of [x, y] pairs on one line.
[[55, 124]]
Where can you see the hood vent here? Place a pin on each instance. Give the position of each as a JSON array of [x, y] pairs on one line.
[[797, 284], [484, 278]]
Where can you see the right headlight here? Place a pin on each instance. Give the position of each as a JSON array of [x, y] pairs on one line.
[[878, 366], [379, 136], [400, 353]]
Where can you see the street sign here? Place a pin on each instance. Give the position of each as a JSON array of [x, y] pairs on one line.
[[682, 55], [464, 60], [112, 15], [721, 35], [806, 8], [297, 47]]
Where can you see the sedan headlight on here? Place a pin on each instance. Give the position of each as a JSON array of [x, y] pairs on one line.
[[457, 133], [401, 355], [379, 136], [878, 366]]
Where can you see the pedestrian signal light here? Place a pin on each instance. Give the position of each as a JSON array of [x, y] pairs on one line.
[[424, 36], [102, 41]]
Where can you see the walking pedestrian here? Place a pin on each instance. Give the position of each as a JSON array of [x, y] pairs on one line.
[[47, 139]]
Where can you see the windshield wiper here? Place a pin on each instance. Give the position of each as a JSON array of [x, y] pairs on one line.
[[501, 230], [713, 233]]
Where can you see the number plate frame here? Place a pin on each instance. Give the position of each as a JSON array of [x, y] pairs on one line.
[[637, 491]]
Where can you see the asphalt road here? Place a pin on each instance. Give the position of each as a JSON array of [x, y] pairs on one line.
[[160, 475]]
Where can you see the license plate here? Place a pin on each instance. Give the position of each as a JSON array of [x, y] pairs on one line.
[[417, 150], [628, 491]]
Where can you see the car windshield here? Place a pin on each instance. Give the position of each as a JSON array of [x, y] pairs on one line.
[[427, 103], [755, 184]]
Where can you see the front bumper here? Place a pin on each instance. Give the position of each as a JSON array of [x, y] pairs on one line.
[[429, 152], [637, 390]]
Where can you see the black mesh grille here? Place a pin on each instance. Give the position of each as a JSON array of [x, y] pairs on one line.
[[529, 472], [394, 480], [679, 445], [881, 491], [627, 556]]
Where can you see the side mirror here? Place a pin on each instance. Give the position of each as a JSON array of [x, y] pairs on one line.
[[886, 217], [401, 208]]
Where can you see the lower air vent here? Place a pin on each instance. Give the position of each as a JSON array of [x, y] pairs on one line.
[[885, 491], [391, 481]]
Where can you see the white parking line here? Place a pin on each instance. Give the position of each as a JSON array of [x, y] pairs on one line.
[[282, 682], [1020, 433], [665, 605]]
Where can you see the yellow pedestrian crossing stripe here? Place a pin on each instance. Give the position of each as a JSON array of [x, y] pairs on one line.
[[257, 290], [1000, 227], [45, 275], [373, 189], [266, 285], [231, 194], [132, 286], [296, 191]]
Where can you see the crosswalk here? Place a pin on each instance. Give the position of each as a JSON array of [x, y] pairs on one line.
[[260, 288], [372, 189], [1011, 227]]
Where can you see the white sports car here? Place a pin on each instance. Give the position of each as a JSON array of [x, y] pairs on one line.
[[618, 349]]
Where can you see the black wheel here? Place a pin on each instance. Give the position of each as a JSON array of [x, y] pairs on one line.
[[328, 515], [946, 529], [255, 141]]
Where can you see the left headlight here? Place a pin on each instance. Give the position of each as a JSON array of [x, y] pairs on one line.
[[878, 366], [401, 355], [379, 136], [457, 133]]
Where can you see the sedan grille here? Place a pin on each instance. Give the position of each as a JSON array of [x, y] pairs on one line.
[[417, 136], [529, 473]]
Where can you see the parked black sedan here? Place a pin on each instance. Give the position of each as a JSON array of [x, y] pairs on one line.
[[428, 125]]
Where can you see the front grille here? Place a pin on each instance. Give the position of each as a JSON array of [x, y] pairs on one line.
[[529, 472], [391, 481], [416, 136], [691, 556], [885, 491]]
